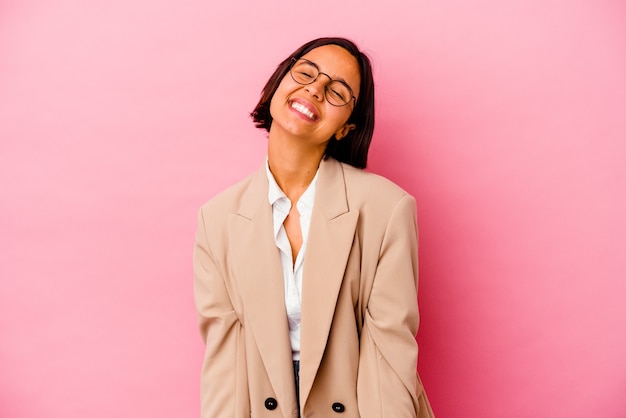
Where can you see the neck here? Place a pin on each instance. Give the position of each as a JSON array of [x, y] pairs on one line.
[[293, 166]]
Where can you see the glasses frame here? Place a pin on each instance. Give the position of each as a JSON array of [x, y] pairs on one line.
[[294, 59]]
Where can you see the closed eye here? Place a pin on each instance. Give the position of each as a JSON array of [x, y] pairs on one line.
[[305, 74], [337, 94]]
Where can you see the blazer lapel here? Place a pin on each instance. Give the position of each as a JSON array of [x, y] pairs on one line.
[[256, 261], [331, 235]]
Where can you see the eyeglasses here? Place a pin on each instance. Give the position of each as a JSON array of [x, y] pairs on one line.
[[337, 92]]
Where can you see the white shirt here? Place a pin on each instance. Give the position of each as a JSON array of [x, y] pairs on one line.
[[292, 272]]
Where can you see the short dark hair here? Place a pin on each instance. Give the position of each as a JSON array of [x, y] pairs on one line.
[[353, 148]]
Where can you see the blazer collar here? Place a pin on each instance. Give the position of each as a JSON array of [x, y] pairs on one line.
[[331, 235], [258, 273], [330, 195]]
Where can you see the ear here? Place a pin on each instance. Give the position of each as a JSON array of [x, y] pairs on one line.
[[343, 131]]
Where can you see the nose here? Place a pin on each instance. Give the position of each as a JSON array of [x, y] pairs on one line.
[[318, 88]]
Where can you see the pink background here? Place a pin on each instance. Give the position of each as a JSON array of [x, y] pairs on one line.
[[506, 120]]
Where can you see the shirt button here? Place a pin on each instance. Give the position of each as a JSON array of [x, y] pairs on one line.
[[271, 404], [338, 407]]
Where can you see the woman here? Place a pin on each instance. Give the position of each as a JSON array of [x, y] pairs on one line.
[[306, 271]]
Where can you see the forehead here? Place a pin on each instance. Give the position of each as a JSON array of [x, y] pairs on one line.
[[337, 63]]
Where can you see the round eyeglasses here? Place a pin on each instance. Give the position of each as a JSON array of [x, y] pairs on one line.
[[337, 92]]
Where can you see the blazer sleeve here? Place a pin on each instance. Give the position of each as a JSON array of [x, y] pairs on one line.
[[387, 385], [221, 330]]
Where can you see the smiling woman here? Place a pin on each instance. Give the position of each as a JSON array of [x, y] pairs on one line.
[[306, 271], [354, 149]]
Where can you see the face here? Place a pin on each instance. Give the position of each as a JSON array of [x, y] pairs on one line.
[[303, 111]]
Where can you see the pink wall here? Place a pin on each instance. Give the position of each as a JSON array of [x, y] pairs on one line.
[[506, 120]]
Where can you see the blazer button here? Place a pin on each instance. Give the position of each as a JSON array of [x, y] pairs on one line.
[[271, 404], [338, 407]]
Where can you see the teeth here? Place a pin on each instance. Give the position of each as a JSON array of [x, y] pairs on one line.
[[302, 109]]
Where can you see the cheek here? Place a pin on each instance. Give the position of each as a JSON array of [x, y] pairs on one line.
[[342, 118], [284, 88], [274, 104], [280, 96]]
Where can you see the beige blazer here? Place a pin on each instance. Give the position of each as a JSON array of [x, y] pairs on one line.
[[359, 303]]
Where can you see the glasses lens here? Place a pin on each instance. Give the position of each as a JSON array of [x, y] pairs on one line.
[[338, 93], [304, 72]]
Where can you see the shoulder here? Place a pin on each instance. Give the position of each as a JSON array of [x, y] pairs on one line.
[[227, 200], [366, 188]]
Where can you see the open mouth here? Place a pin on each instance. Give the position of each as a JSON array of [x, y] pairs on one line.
[[302, 109]]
